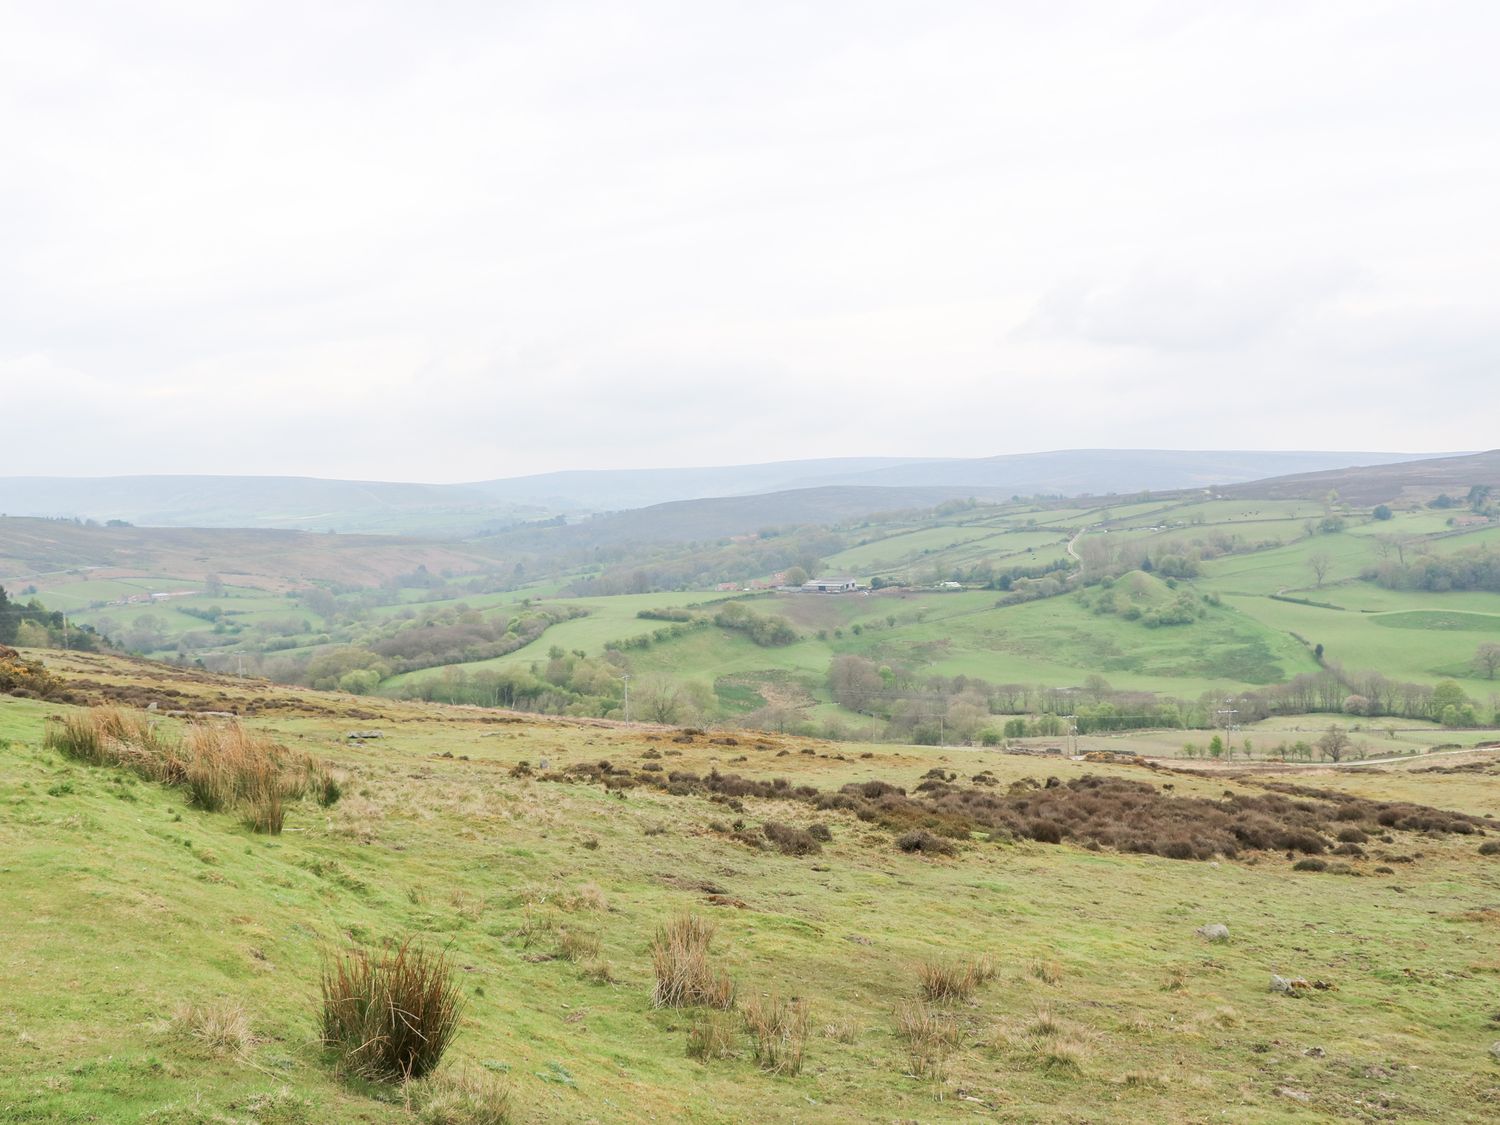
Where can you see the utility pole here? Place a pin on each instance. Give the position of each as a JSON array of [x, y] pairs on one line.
[[626, 678], [1229, 713], [65, 632]]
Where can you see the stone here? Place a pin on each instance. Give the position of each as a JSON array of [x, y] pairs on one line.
[[1215, 931]]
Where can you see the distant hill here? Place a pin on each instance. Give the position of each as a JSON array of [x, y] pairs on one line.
[[682, 521], [306, 503], [485, 506], [1417, 480], [267, 559]]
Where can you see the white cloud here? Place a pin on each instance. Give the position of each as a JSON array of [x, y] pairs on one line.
[[478, 239]]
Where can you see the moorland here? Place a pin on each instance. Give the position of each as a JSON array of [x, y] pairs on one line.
[[1161, 807]]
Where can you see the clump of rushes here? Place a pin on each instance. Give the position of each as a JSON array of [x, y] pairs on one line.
[[390, 1016], [685, 976], [778, 1030]]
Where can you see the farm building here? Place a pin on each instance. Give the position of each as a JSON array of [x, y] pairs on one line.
[[830, 586]]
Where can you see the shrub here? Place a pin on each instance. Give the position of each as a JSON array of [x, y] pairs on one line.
[[921, 840], [820, 832], [390, 1016], [789, 840], [778, 1032], [1490, 847], [684, 974], [1310, 865], [465, 1098], [1352, 836]]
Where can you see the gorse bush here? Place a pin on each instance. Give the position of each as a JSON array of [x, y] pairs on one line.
[[390, 1016], [220, 767], [685, 976]]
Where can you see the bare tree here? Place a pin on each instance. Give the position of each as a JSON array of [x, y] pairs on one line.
[[1335, 744], [1319, 564]]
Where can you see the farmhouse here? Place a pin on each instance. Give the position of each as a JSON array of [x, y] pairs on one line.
[[830, 586]]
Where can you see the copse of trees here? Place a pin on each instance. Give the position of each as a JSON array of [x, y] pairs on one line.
[[1475, 569], [32, 625]]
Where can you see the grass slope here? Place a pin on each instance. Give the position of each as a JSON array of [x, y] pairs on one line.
[[124, 903]]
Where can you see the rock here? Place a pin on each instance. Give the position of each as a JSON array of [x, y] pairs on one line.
[[1215, 931], [1294, 1095], [1495, 1049], [1315, 1052], [1291, 986], [364, 734]]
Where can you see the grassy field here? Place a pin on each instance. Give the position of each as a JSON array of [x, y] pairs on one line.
[[1256, 553], [125, 903]]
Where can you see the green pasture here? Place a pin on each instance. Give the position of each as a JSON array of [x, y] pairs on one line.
[[1359, 643], [1105, 1004]]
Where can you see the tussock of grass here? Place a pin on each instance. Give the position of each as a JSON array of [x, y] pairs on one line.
[[931, 1036], [220, 767], [711, 1036], [945, 982], [684, 974], [390, 1016], [1061, 1054], [1048, 972], [578, 945], [844, 1030], [460, 1098], [221, 1025], [778, 1032]]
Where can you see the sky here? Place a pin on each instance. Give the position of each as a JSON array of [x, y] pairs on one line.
[[455, 241]]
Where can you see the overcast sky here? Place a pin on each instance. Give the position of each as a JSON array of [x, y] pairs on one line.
[[453, 241]]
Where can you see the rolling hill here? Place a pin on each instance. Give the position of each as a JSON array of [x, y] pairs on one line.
[[314, 504]]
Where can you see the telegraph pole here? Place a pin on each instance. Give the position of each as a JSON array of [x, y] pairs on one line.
[[626, 678]]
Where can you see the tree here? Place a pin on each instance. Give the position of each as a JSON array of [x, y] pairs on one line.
[[1319, 562], [1334, 744], [1487, 657], [795, 576], [659, 699], [1382, 512]]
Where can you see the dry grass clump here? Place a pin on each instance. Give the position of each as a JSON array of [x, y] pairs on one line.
[[685, 976], [578, 945], [462, 1098], [778, 1032], [844, 1030], [711, 1036], [1175, 980], [944, 982], [219, 766], [222, 1026], [536, 924], [1048, 972], [390, 1016], [931, 1037]]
